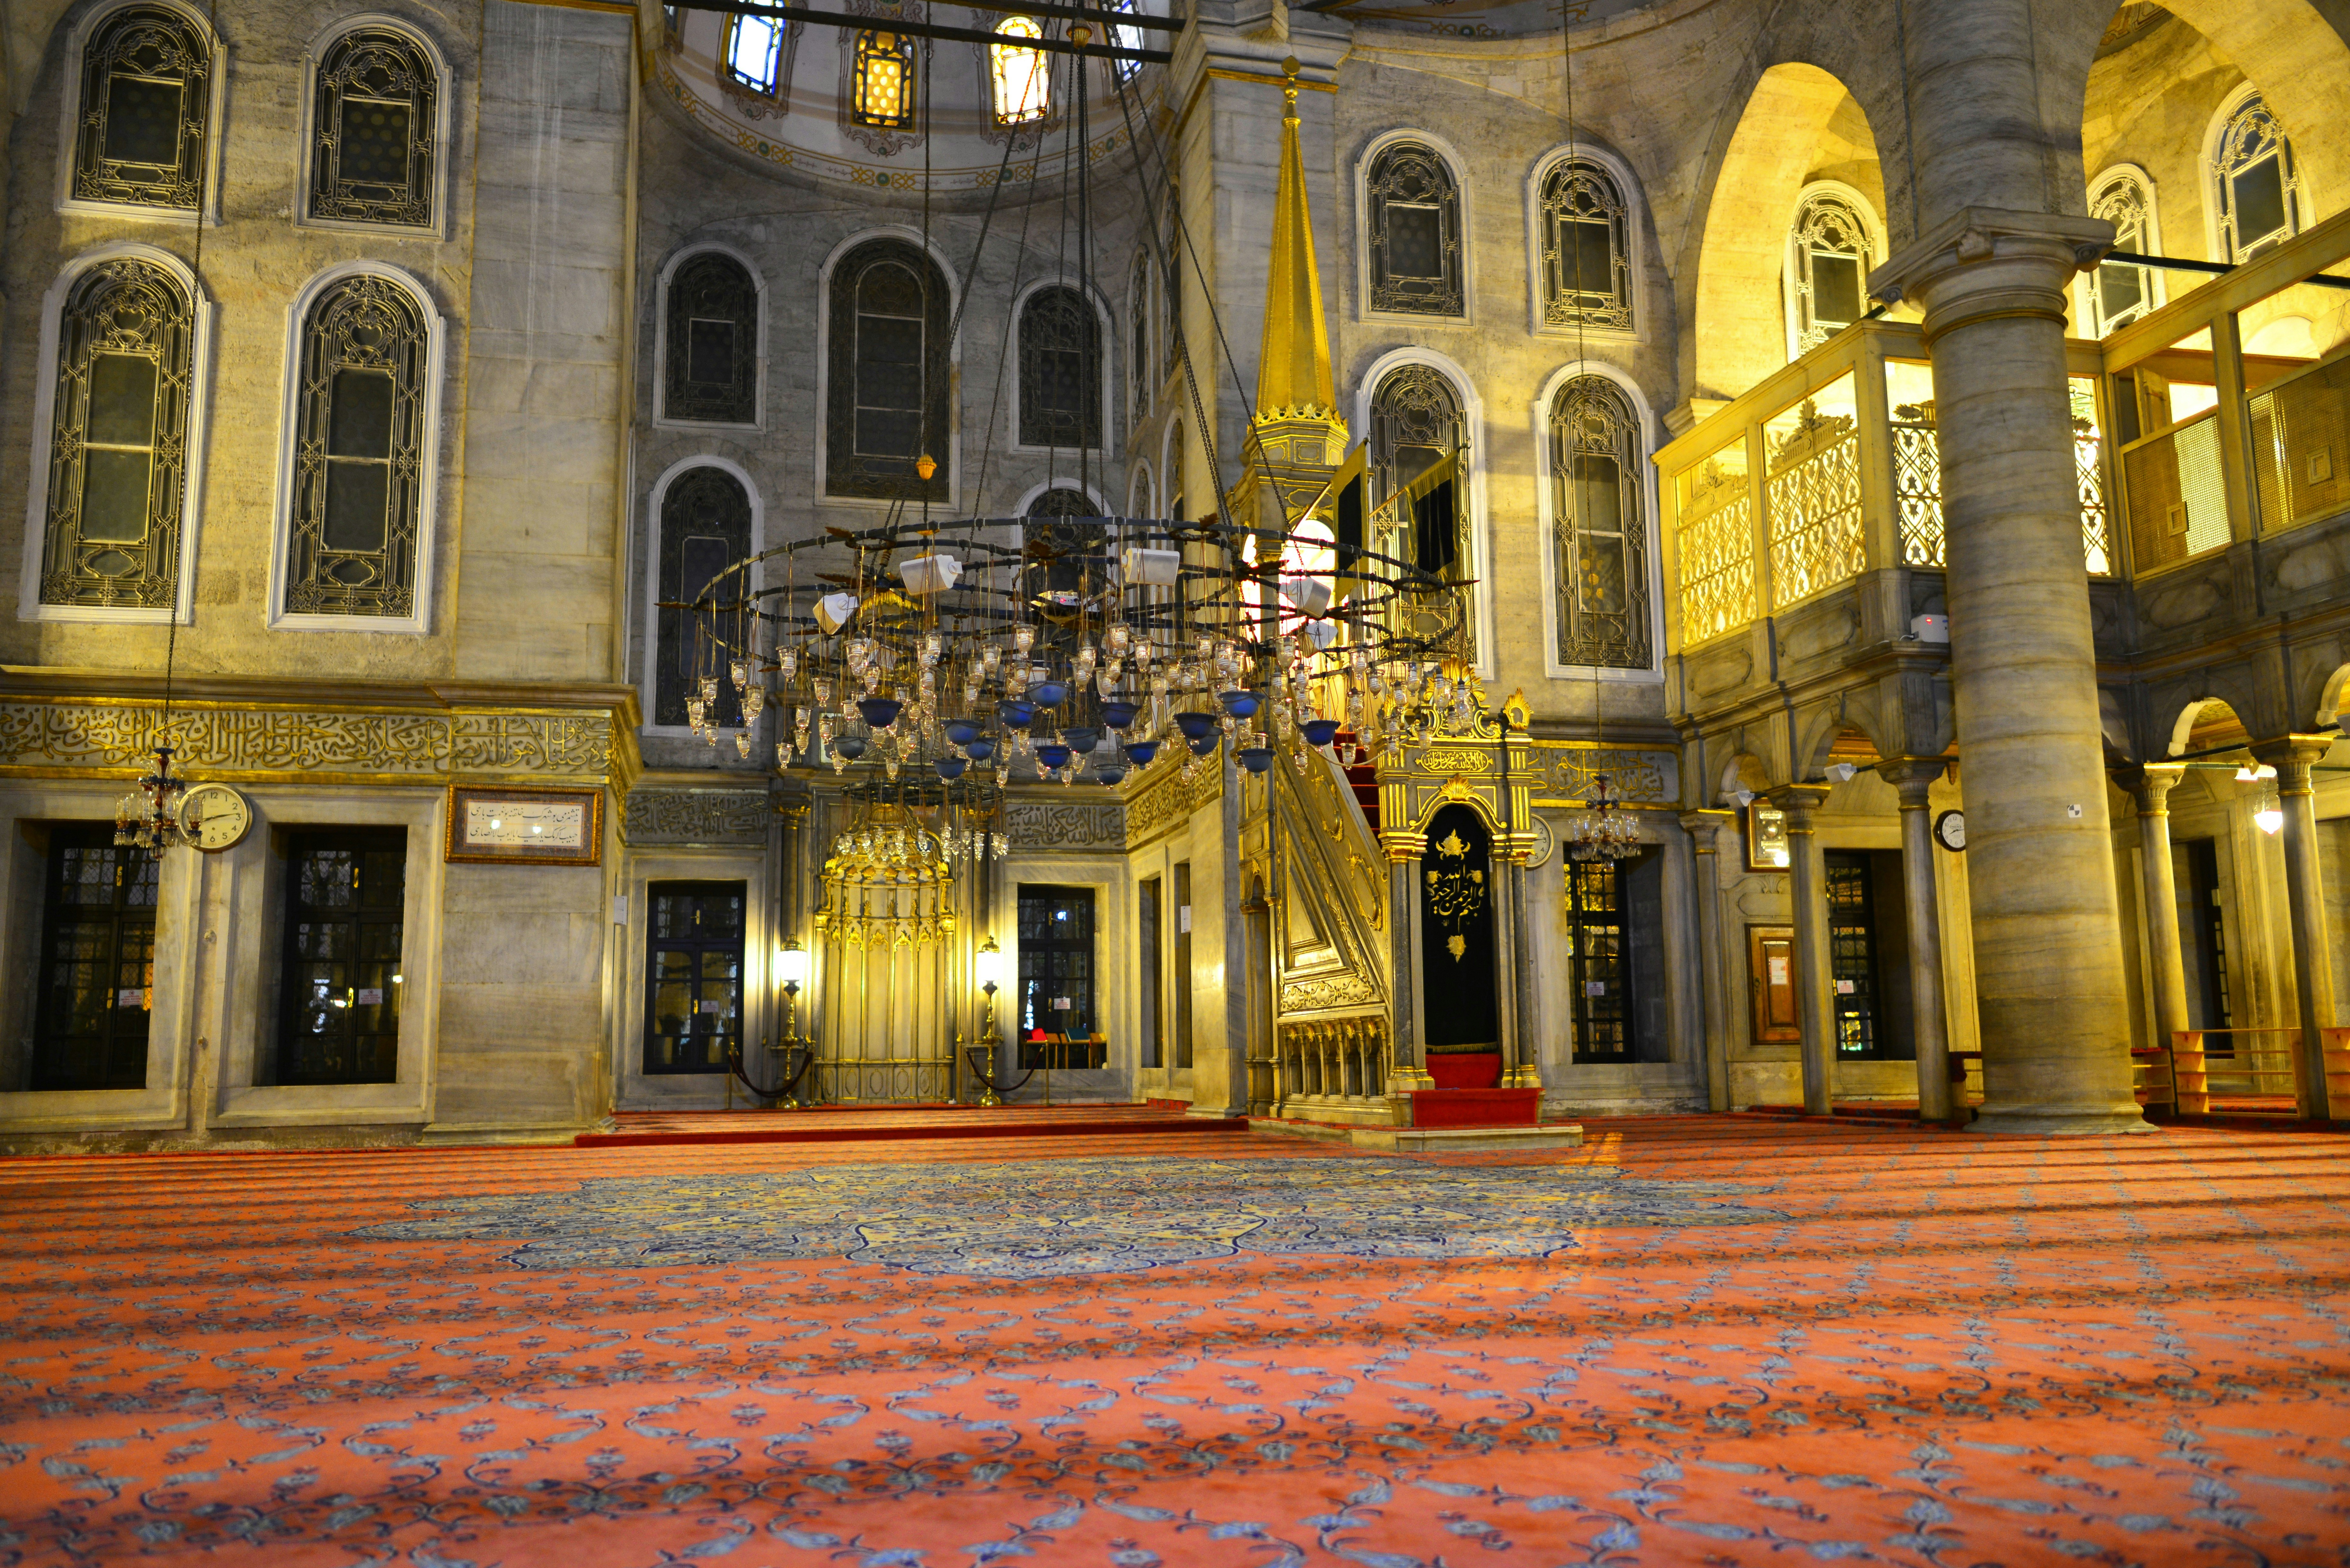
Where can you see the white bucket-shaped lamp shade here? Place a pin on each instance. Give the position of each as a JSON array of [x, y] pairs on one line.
[[1151, 568], [833, 611], [925, 575], [1307, 596]]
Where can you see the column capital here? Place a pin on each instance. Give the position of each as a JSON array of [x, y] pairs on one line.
[[1705, 827], [1913, 776], [2149, 785], [1982, 263], [1798, 801], [2291, 755]]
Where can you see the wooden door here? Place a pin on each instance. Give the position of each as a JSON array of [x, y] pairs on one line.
[[1771, 979]]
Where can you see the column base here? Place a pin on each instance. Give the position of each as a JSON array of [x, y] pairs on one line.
[[2061, 1120], [1526, 1076]]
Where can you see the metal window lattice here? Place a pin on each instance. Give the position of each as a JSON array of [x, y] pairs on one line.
[[372, 158], [1827, 228], [1138, 361], [705, 526], [709, 341], [140, 127], [1813, 499], [1060, 371], [1416, 424], [2088, 473], [1600, 539], [2258, 182], [117, 461], [2120, 292], [1714, 542], [1414, 222], [358, 485], [1917, 483], [886, 374], [1586, 257], [2301, 446]]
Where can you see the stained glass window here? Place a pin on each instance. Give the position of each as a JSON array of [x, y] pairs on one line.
[[372, 155], [2258, 180], [705, 528], [1600, 535], [1023, 83], [1413, 208], [361, 448], [886, 396], [1060, 371], [881, 81], [1829, 254], [1586, 251], [118, 446], [2121, 292], [1125, 38], [711, 342], [140, 127], [754, 52]]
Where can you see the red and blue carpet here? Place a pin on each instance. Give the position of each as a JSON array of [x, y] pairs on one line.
[[1698, 1340]]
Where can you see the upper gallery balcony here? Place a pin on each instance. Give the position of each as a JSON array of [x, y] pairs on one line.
[[1803, 522]]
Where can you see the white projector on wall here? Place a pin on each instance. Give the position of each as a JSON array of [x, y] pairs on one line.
[[1930, 627]]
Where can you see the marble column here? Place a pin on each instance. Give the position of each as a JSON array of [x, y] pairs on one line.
[[1713, 965], [2051, 992], [2304, 887], [1913, 776], [2149, 787], [1815, 998]]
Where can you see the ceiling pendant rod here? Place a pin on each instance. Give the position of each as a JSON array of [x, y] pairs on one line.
[[938, 30]]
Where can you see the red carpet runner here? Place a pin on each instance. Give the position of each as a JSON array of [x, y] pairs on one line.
[[1698, 1340]]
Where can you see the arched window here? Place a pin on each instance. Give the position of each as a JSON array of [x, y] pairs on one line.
[[2121, 292], [2258, 180], [375, 122], [1587, 248], [1138, 500], [1413, 209], [1125, 38], [119, 431], [881, 81], [1416, 429], [1831, 246], [1599, 550], [710, 342], [144, 119], [361, 457], [1023, 86], [1138, 357], [1176, 461], [705, 528], [754, 57], [1058, 557], [1170, 286], [886, 373], [1060, 371]]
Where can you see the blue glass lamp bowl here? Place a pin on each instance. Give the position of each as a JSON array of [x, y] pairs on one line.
[[1017, 712], [1082, 740], [849, 746], [1053, 756], [1110, 772], [980, 749], [1119, 715], [1320, 731], [951, 767], [879, 711], [1257, 759], [961, 731], [1139, 752], [1202, 745], [1239, 704], [1051, 693], [1195, 725]]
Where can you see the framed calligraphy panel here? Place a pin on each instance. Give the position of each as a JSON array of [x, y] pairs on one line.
[[529, 827]]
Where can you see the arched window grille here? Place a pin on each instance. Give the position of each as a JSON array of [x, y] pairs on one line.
[[1060, 371], [119, 432], [2258, 180], [144, 115], [1587, 248], [1170, 286], [1416, 425], [754, 57], [710, 339], [1125, 38], [1829, 253], [1023, 86], [373, 124], [360, 452], [1138, 359], [886, 372], [881, 81], [705, 526], [1413, 210], [1600, 536], [2121, 292], [1178, 459]]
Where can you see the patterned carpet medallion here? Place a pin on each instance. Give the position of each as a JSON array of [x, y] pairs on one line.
[[1712, 1341], [1018, 1221]]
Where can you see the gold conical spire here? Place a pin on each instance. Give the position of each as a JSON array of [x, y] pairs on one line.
[[1292, 370]]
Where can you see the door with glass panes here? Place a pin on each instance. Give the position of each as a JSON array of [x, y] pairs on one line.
[[98, 962], [693, 976], [338, 1018]]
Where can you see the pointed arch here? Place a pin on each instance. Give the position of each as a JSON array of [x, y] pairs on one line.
[[1628, 648]]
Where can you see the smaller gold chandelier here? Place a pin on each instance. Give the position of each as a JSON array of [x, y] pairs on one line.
[[1602, 832]]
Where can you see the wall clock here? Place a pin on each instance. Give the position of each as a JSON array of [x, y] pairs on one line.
[[1950, 830], [214, 817]]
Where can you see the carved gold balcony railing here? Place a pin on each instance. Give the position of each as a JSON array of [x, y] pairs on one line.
[[2231, 405], [1828, 470]]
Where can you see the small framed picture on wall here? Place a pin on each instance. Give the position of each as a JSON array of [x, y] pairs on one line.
[[1766, 837], [529, 827]]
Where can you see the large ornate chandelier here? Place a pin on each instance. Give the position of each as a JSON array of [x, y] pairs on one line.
[[1602, 832]]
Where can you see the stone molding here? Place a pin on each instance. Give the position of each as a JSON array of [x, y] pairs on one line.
[[684, 816]]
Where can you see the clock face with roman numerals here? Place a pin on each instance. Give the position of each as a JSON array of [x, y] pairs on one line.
[[214, 817]]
